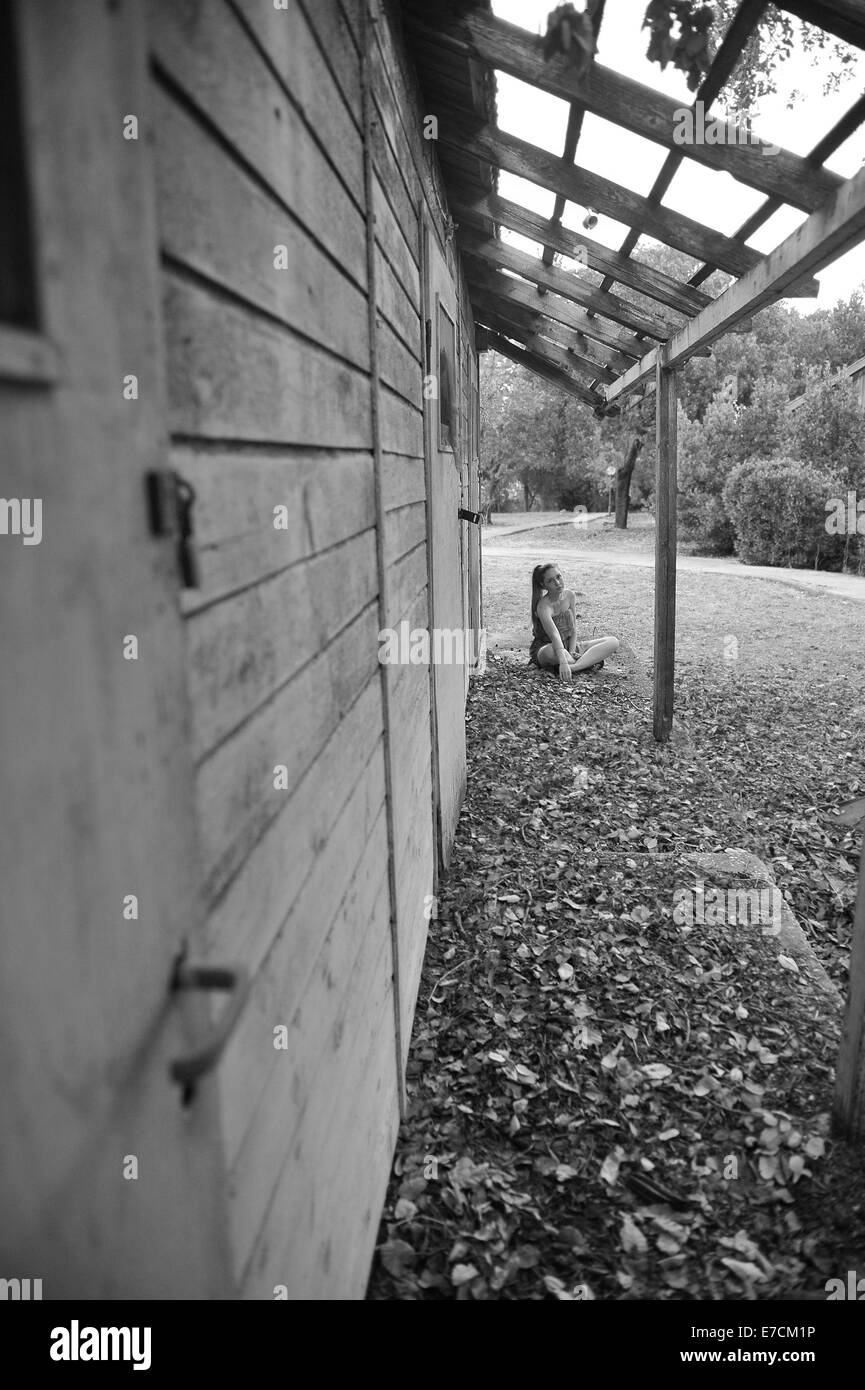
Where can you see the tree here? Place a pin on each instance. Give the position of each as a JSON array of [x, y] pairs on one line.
[[535, 435], [828, 430], [685, 32]]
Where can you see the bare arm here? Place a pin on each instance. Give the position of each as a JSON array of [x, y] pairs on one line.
[[550, 629], [555, 637], [572, 640]]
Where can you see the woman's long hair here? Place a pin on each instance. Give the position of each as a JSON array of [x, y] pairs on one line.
[[538, 586]]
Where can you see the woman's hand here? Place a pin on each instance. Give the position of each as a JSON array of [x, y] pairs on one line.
[[565, 669]]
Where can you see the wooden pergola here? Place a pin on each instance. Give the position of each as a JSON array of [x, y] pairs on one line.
[[590, 339]]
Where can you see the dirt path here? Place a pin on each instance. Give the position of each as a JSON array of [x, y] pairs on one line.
[[535, 522], [847, 586]]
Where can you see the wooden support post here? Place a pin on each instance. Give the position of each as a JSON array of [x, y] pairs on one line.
[[665, 548], [849, 1110]]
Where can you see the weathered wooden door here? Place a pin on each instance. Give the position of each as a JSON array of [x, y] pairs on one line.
[[109, 1187], [444, 499]]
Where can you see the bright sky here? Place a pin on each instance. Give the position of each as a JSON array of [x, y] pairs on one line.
[[715, 199]]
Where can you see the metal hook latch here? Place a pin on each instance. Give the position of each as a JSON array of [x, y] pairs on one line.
[[170, 502], [188, 1071]]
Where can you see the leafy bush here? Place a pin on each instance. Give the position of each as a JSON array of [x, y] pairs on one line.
[[778, 511], [707, 452], [828, 430], [703, 519]]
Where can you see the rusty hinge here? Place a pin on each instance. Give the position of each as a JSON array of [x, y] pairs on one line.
[[170, 501]]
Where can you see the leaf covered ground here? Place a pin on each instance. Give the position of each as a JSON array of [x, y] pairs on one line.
[[607, 1101]]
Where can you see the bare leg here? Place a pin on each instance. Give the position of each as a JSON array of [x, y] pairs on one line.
[[547, 657], [590, 653]]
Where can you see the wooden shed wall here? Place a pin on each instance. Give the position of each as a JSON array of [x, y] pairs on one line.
[[259, 143]]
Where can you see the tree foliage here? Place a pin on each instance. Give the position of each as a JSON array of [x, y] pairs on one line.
[[687, 32]]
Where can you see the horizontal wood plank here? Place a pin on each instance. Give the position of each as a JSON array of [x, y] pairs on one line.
[[405, 528], [204, 50], [335, 1178], [235, 787], [257, 511], [388, 174], [265, 1088], [403, 480], [345, 997], [398, 368], [395, 306], [400, 253], [401, 426], [243, 650], [291, 848], [336, 27], [234, 376], [406, 578], [295, 56], [216, 220]]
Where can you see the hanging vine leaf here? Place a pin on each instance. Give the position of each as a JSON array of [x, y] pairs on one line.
[[691, 51], [571, 32]]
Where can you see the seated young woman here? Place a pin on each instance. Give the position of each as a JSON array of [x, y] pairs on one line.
[[554, 628]]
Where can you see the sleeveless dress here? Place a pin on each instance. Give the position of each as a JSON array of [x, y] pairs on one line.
[[540, 638]]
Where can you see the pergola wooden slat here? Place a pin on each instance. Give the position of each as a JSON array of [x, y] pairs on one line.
[[647, 113], [541, 347], [542, 366], [654, 284], [515, 156], [503, 256], [535, 334], [626, 347], [531, 321]]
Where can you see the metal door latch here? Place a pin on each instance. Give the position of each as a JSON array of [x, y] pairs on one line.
[[469, 516], [170, 502], [188, 1071]]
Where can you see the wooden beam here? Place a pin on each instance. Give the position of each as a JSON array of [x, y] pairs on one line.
[[825, 236], [625, 348], [531, 340], [581, 186], [645, 112], [665, 548], [475, 210], [843, 18], [849, 1106], [539, 365], [535, 325], [556, 356], [501, 254], [572, 137]]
